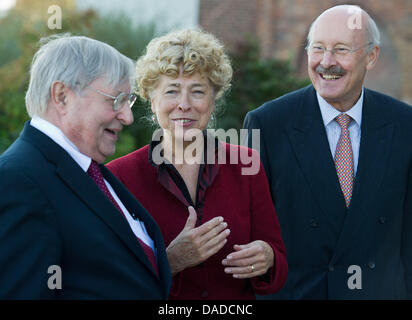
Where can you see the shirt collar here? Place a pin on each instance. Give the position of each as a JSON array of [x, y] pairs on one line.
[[329, 113], [58, 136]]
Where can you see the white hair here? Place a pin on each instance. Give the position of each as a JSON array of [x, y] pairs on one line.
[[372, 31], [76, 61]]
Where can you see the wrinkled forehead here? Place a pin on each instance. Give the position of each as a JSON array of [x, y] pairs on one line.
[[344, 25]]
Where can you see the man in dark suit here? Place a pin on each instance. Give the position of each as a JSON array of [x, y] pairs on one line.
[[339, 160], [68, 228]]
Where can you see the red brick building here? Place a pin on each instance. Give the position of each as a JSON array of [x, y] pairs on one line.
[[281, 27]]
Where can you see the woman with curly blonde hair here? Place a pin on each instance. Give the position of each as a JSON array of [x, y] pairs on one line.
[[220, 227]]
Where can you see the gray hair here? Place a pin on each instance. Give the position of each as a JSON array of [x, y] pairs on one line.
[[76, 61], [372, 30]]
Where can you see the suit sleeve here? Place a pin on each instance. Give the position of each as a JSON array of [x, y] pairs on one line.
[[407, 237], [28, 238], [265, 226]]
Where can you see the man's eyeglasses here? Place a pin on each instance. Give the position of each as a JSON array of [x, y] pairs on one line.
[[318, 50], [120, 100]]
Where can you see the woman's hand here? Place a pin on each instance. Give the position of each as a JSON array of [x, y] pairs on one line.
[[195, 245], [249, 260]]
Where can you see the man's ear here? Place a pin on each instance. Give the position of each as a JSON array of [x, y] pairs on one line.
[[59, 96], [372, 58]]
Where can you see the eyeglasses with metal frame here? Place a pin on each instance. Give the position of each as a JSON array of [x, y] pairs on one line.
[[318, 50], [120, 100]]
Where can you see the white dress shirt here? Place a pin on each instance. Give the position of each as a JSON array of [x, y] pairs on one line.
[[84, 161], [333, 129]]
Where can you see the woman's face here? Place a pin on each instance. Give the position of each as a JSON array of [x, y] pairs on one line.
[[183, 103]]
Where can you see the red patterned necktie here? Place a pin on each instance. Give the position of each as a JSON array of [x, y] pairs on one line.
[[344, 157], [95, 173]]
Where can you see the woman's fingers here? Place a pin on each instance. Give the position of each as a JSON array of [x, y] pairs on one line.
[[209, 227], [248, 271], [215, 243], [241, 252], [213, 240], [194, 245], [249, 260], [215, 234]]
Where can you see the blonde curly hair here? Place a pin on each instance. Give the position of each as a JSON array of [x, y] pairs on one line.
[[194, 50]]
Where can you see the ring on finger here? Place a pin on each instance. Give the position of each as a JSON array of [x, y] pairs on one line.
[[252, 267]]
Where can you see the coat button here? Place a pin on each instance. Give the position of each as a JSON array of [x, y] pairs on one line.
[[382, 220], [204, 294], [371, 264], [313, 223]]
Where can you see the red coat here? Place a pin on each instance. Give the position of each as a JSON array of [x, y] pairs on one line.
[[246, 205]]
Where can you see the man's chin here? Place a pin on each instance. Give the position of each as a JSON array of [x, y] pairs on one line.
[[329, 92], [102, 156]]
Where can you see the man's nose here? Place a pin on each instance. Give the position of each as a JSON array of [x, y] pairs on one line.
[[328, 59], [125, 115]]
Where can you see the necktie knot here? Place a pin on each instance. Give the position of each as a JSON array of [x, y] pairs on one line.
[[95, 173], [343, 120], [97, 176], [94, 170]]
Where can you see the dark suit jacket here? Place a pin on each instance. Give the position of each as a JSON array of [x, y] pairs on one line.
[[52, 213], [323, 239]]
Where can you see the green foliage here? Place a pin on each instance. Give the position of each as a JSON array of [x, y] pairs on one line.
[[255, 81], [12, 116], [9, 48], [21, 40], [118, 31]]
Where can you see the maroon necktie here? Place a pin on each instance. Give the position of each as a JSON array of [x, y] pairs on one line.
[[95, 173], [344, 158]]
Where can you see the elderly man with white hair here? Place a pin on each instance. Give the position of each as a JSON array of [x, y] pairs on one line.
[[68, 228], [338, 157]]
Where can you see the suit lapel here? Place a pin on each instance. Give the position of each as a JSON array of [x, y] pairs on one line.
[[311, 147], [376, 140], [86, 190], [139, 212]]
